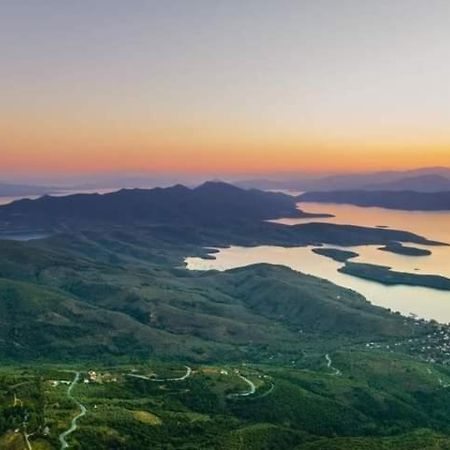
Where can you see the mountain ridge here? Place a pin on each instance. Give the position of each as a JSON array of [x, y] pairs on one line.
[[403, 200]]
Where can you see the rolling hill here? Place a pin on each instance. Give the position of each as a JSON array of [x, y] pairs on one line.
[[56, 303]]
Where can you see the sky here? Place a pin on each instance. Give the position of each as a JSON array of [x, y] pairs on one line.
[[223, 87]]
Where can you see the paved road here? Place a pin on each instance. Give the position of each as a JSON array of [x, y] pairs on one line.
[[73, 423]]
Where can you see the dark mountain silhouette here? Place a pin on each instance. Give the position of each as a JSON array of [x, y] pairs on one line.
[[405, 200], [210, 203], [424, 179], [420, 183]]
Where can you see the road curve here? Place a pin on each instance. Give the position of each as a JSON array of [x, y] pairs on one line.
[[73, 423], [251, 390]]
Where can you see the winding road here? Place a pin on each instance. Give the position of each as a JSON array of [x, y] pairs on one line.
[[143, 377], [73, 423], [336, 372]]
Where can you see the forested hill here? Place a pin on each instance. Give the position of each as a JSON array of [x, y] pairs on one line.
[[210, 203], [405, 200]]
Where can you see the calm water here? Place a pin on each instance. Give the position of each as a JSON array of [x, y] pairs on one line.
[[424, 302]]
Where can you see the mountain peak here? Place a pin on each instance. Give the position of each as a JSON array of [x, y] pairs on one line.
[[217, 185]]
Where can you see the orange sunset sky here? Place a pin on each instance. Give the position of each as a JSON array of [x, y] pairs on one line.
[[224, 87]]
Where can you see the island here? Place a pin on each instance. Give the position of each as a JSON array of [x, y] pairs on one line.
[[335, 253], [384, 275], [400, 249]]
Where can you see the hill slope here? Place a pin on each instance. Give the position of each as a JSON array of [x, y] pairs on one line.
[[56, 303]]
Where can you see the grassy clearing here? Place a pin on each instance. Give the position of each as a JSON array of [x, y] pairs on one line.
[[147, 417]]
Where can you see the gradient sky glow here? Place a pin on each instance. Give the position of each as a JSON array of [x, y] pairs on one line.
[[224, 86]]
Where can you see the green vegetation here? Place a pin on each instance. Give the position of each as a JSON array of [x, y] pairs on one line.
[[121, 295], [379, 400]]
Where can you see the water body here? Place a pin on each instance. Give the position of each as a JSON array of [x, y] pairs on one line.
[[423, 302], [432, 225]]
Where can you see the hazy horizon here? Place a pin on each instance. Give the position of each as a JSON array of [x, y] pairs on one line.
[[119, 179], [224, 87]]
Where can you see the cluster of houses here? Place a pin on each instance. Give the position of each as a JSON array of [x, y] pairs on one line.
[[91, 377], [433, 347]]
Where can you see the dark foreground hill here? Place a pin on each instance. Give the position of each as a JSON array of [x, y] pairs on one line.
[[406, 200]]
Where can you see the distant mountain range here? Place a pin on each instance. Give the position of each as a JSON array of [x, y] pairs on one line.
[[209, 204], [421, 180], [405, 200], [419, 183]]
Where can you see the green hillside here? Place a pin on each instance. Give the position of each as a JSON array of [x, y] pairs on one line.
[[73, 296]]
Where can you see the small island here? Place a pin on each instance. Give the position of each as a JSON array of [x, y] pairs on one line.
[[400, 249], [335, 253], [384, 275]]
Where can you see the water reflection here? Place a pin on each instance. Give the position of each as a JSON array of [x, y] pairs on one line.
[[424, 302], [432, 225]]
